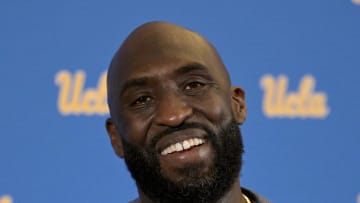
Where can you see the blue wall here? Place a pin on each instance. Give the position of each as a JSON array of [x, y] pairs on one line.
[[302, 145]]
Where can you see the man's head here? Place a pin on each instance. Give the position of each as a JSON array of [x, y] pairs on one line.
[[174, 115]]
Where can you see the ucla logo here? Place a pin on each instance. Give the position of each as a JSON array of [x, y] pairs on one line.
[[5, 199], [279, 102], [73, 99]]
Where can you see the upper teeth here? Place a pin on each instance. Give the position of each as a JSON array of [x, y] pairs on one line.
[[184, 145]]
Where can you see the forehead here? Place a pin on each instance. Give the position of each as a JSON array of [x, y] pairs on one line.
[[164, 65], [156, 52], [163, 55]]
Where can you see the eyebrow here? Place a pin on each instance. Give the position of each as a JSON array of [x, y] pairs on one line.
[[190, 67], [141, 81], [136, 82]]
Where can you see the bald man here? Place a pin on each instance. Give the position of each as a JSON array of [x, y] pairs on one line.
[[175, 116]]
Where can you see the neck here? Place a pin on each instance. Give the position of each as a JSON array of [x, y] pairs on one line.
[[234, 195]]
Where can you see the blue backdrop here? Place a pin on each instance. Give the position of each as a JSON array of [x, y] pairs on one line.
[[299, 62]]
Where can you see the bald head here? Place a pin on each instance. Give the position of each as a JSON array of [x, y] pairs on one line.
[[159, 38], [156, 42]]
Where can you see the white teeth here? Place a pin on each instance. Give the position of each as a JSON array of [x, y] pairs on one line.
[[184, 145], [179, 147], [191, 142]]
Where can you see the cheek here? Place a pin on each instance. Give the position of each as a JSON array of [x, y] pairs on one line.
[[133, 129], [216, 109]]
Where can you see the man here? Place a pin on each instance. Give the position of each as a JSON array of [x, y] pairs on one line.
[[174, 117]]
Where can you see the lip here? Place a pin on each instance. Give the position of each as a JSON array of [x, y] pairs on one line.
[[179, 136]]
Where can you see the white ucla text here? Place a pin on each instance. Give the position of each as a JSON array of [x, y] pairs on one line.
[[279, 102], [73, 99]]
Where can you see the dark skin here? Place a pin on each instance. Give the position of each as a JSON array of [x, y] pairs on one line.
[[162, 76]]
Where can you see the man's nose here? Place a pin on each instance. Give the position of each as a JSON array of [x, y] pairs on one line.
[[172, 111]]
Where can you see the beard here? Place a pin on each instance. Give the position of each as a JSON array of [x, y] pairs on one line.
[[144, 166]]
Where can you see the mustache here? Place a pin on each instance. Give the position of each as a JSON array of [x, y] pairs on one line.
[[184, 126]]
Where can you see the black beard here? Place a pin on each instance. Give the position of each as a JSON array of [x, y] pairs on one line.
[[144, 167]]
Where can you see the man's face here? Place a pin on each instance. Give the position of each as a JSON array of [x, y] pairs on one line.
[[161, 95], [174, 114]]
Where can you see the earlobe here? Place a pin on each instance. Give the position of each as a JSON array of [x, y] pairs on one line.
[[238, 104], [114, 137]]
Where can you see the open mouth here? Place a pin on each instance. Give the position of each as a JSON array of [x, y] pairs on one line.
[[182, 146]]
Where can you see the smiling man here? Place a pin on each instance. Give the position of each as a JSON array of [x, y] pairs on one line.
[[175, 116]]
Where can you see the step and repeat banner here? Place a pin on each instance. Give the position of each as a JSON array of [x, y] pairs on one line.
[[298, 61]]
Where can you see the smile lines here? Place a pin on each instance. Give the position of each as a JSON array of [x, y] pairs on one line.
[[181, 146]]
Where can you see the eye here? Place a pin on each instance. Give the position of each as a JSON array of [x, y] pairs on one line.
[[194, 85], [195, 88], [142, 100]]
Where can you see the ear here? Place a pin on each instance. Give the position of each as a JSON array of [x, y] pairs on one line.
[[114, 137], [238, 104]]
